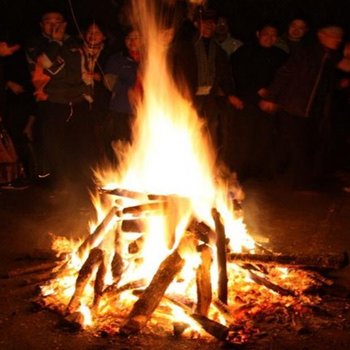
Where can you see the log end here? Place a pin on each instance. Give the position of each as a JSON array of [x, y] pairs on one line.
[[133, 325]]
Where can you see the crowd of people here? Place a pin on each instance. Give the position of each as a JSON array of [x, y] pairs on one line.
[[275, 107]]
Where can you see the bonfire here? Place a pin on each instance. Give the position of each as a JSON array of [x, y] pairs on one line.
[[169, 252]]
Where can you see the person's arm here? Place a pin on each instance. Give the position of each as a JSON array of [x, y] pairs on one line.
[[46, 52], [226, 80], [111, 72], [109, 81]]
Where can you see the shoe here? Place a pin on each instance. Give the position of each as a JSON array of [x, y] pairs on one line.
[[44, 175], [15, 185]]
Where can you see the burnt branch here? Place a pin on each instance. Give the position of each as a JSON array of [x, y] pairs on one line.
[[318, 262], [203, 281], [221, 256], [99, 233], [152, 295], [94, 259]]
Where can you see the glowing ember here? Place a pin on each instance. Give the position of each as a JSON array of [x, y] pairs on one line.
[[166, 183]]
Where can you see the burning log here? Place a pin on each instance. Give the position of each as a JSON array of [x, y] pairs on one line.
[[117, 261], [203, 232], [114, 289], [215, 329], [42, 254], [203, 280], [133, 226], [72, 322], [26, 270], [152, 295], [179, 328], [140, 209], [224, 310], [94, 259], [99, 282], [268, 284], [94, 239], [328, 262], [221, 256], [39, 278], [119, 192]]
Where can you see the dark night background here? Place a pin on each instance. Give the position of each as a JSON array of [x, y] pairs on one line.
[[19, 18]]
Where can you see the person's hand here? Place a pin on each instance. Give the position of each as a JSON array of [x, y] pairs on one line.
[[6, 49], [16, 88], [236, 102], [268, 106], [58, 31]]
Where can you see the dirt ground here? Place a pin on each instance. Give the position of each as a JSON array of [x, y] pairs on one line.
[[284, 221]]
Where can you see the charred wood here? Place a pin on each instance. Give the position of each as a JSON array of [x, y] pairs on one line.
[[221, 256], [133, 226], [42, 254], [141, 209], [99, 282], [214, 328], [117, 264], [95, 238], [202, 231], [328, 262], [25, 270], [114, 289], [120, 192], [268, 284], [39, 278], [152, 295], [179, 328], [224, 310], [94, 259], [203, 281], [72, 322], [135, 246]]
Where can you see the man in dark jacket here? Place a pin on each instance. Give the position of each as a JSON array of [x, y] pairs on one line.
[[254, 65], [302, 90], [55, 63]]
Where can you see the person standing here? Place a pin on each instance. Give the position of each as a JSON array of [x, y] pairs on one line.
[[55, 63], [95, 53], [302, 90], [254, 65], [215, 86], [122, 79]]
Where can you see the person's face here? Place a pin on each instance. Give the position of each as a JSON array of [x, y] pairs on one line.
[[132, 41], [267, 36], [297, 29], [222, 26], [330, 39], [94, 35], [207, 28], [50, 21]]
